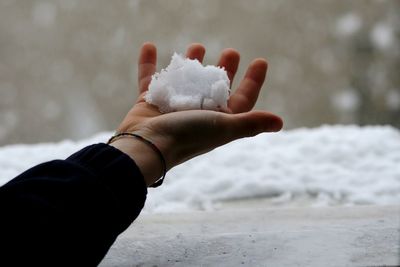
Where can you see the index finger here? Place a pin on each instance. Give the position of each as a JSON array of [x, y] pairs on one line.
[[146, 65]]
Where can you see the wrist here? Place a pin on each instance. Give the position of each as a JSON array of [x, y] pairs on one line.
[[143, 155]]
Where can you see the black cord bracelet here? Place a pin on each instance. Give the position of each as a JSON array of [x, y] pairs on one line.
[[150, 144]]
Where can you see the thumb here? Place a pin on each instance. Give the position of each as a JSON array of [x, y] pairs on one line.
[[252, 123]]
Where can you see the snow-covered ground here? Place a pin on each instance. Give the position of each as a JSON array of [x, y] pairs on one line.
[[329, 165]]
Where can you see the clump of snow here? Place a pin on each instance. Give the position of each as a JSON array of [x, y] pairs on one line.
[[330, 165], [186, 84]]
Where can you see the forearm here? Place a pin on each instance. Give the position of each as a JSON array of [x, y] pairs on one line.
[[70, 211]]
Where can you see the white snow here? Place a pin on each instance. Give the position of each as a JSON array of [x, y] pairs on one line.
[[187, 84], [329, 165]]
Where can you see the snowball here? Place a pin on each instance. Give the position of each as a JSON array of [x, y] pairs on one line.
[[186, 84]]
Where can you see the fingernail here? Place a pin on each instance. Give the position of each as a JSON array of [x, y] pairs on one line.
[[275, 124]]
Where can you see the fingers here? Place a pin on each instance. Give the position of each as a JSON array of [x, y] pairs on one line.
[[196, 51], [245, 97], [146, 65], [252, 123], [230, 61]]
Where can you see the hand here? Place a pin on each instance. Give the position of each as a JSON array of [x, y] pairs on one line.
[[183, 135]]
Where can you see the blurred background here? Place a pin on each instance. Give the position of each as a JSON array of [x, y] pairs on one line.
[[68, 68]]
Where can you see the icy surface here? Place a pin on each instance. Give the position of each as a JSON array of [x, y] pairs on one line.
[[186, 84], [330, 165]]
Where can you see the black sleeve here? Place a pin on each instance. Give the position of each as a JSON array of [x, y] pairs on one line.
[[69, 212]]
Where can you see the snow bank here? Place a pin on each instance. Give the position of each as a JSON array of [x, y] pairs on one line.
[[185, 84], [330, 165]]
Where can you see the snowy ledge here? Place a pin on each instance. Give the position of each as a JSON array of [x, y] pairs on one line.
[[339, 236]]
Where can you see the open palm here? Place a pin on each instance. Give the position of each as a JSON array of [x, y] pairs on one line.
[[184, 134]]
